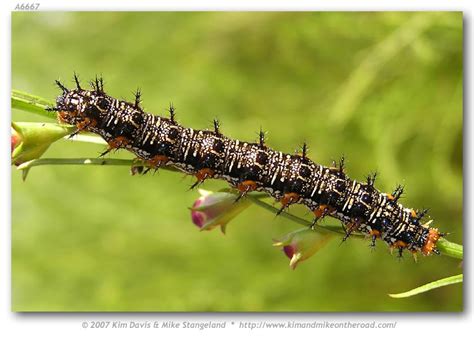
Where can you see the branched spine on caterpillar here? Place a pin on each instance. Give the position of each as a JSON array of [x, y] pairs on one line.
[[290, 179]]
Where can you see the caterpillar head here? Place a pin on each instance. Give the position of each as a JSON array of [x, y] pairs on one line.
[[68, 105], [69, 102], [76, 105]]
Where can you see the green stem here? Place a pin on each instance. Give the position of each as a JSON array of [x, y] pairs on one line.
[[444, 246], [85, 161], [326, 228], [87, 138], [450, 249], [38, 105], [31, 103]]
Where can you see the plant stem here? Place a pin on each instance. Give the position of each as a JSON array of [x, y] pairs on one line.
[[87, 138], [444, 246], [38, 105], [31, 103], [450, 249], [326, 228], [85, 161]]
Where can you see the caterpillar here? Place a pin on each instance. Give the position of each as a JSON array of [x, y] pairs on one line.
[[246, 166]]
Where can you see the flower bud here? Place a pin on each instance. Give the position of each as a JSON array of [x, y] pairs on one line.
[[15, 139], [29, 140], [302, 244], [215, 209]]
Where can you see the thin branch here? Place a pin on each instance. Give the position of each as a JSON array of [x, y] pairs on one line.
[[450, 249], [38, 105], [326, 228], [32, 104], [85, 161], [444, 246], [87, 138]]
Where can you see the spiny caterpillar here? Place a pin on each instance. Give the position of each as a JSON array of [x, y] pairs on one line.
[[290, 179]]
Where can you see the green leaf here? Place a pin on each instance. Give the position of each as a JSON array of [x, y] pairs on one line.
[[430, 286]]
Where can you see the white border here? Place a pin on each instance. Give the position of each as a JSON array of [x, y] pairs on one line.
[[59, 325], [247, 5]]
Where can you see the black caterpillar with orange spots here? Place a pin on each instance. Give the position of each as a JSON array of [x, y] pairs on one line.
[[290, 179]]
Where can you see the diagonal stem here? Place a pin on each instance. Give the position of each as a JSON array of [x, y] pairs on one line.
[[38, 105]]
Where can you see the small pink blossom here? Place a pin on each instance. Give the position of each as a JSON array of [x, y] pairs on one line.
[[216, 209], [15, 139]]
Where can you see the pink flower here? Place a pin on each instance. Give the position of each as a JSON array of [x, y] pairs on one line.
[[216, 209], [302, 244], [15, 139]]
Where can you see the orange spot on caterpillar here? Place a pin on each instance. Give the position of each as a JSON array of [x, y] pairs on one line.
[[62, 116], [118, 142], [375, 233], [83, 125], [204, 173], [413, 213], [157, 161], [289, 198], [323, 210], [390, 197], [247, 186], [433, 236], [399, 244]]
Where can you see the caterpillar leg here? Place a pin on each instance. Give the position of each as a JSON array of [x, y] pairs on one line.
[[400, 246], [353, 226], [138, 167], [154, 163], [374, 234], [157, 161], [81, 126], [115, 143], [201, 176], [287, 200], [320, 212], [245, 187], [400, 254]]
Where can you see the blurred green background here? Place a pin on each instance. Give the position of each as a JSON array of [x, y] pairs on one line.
[[383, 89]]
